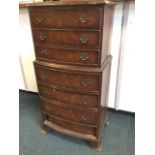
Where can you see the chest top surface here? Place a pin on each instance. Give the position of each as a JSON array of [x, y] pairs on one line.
[[73, 2]]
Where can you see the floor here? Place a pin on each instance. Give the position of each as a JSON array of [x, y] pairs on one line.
[[118, 138]]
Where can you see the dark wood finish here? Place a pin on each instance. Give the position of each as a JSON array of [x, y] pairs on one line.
[[75, 3], [68, 97], [67, 37], [70, 114], [70, 80], [70, 56], [73, 127], [73, 69], [73, 64], [66, 131], [78, 44], [104, 98], [66, 18], [71, 2]]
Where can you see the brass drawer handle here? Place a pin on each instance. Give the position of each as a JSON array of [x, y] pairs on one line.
[[49, 92], [85, 101], [83, 18], [44, 75], [42, 37], [39, 19], [83, 56], [84, 118], [85, 83], [84, 39], [44, 52], [47, 107]]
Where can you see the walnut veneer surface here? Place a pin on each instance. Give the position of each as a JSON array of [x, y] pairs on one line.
[[73, 66]]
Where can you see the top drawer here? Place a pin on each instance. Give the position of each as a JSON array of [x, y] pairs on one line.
[[85, 17]]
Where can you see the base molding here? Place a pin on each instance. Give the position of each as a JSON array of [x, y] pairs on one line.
[[94, 143], [60, 129]]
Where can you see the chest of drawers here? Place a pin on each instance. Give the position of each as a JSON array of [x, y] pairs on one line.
[[72, 66]]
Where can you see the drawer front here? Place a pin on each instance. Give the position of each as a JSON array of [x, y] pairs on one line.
[[73, 127], [68, 97], [68, 56], [73, 18], [70, 114], [70, 38], [68, 80]]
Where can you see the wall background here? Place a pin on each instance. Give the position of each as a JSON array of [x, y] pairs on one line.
[[122, 100]]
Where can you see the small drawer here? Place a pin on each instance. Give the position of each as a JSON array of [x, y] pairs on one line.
[[67, 38], [65, 18], [68, 56], [71, 126], [74, 80], [68, 97], [70, 114]]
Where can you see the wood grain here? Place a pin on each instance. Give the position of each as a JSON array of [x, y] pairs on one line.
[[71, 41], [69, 97], [65, 18]]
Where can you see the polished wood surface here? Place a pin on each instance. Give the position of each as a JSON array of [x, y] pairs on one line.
[[64, 130], [70, 56], [73, 127], [72, 66], [70, 80], [60, 95], [61, 17], [85, 69], [70, 2], [68, 40], [70, 114], [67, 37], [74, 2]]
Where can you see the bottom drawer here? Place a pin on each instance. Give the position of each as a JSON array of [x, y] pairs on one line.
[[70, 114], [72, 127]]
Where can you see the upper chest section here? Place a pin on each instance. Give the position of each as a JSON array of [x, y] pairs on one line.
[[70, 17]]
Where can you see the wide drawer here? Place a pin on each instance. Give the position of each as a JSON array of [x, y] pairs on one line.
[[65, 18], [72, 80], [72, 126], [68, 97], [67, 55], [70, 114], [67, 37]]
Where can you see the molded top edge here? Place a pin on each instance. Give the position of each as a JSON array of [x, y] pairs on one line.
[[74, 68], [62, 3]]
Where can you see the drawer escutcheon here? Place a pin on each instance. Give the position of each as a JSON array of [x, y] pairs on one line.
[[39, 19], [42, 37], [83, 18], [85, 101], [84, 38], [83, 56], [49, 91], [44, 75], [44, 52], [85, 83], [84, 118]]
